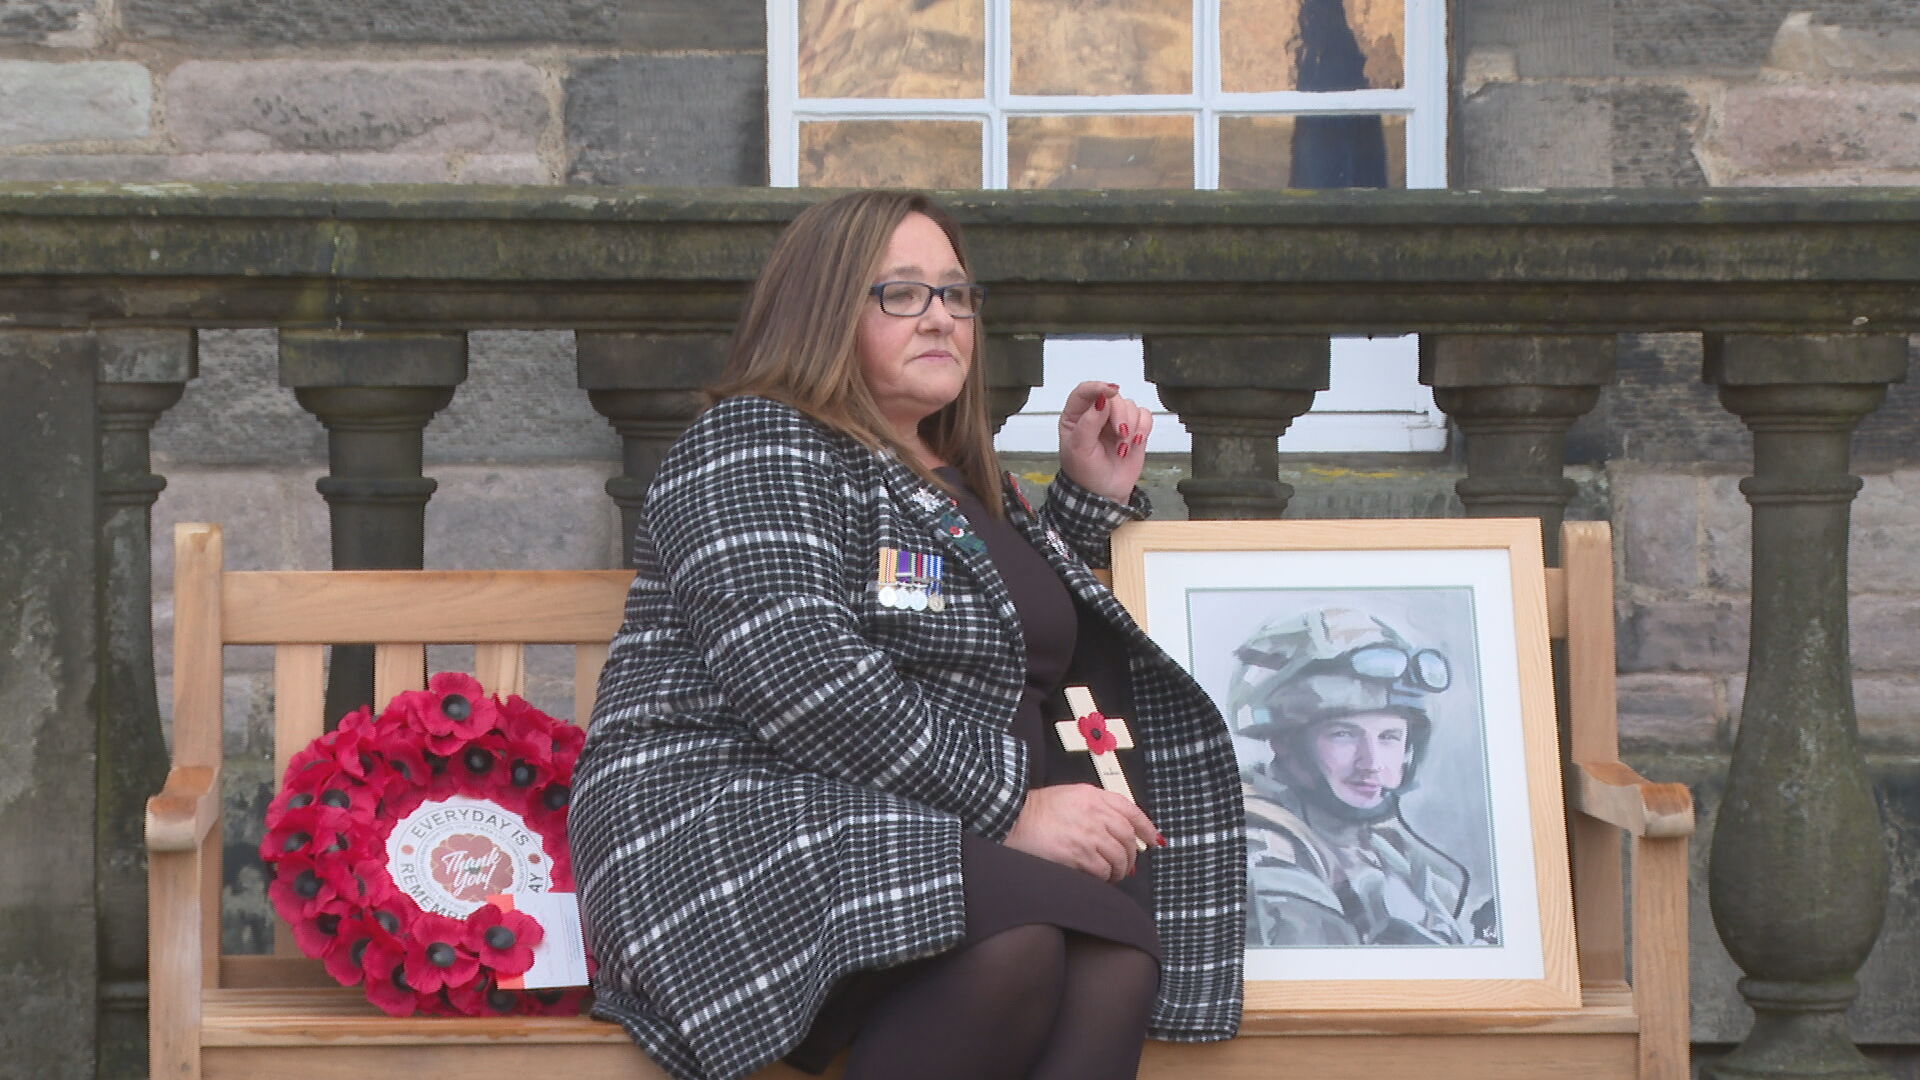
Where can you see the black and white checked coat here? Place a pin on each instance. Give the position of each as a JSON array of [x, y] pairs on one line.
[[779, 767]]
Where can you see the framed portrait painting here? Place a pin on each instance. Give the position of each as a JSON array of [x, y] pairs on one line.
[[1389, 688]]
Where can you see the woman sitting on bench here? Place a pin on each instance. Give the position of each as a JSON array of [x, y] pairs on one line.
[[835, 794]]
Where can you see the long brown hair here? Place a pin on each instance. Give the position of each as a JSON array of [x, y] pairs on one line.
[[795, 341]]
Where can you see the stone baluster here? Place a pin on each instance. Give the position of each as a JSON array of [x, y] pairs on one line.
[[1014, 367], [1798, 878], [1237, 396], [1514, 396], [50, 636], [648, 386], [375, 392], [142, 373]]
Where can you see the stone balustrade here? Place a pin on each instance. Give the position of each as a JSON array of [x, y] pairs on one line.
[[1805, 298]]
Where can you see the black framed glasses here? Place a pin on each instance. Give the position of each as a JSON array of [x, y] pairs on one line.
[[911, 299]]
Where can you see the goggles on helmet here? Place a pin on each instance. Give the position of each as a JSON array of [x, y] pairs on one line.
[[1426, 669]]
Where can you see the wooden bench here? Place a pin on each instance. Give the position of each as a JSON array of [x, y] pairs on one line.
[[218, 1016]]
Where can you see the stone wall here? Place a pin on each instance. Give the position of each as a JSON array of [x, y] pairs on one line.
[[494, 91]]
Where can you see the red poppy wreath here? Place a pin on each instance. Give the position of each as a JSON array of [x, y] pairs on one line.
[[390, 832]]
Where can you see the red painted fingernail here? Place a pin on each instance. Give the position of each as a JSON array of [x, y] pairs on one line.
[[1138, 439], [1114, 385], [1132, 870], [1123, 449], [1123, 431], [1099, 403], [1160, 839]]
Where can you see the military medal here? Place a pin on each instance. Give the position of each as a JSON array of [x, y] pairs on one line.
[[888, 567], [1091, 733], [910, 580]]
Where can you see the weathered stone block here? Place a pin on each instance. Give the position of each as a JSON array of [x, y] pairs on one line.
[[1675, 635], [503, 169], [1570, 38], [246, 713], [315, 22], [1806, 47], [1886, 520], [1709, 35], [270, 519], [1726, 531], [236, 412], [313, 168], [1884, 632], [1658, 520], [410, 107], [1779, 130], [1654, 130], [668, 120], [53, 103], [57, 24], [520, 402], [1889, 437], [549, 517], [112, 168], [660, 25], [1670, 710], [246, 786], [1658, 410], [1887, 708], [1535, 135]]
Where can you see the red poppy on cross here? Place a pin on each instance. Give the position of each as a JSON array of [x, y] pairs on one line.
[[1092, 733]]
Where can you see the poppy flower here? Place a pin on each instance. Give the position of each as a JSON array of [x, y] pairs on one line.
[[552, 1002], [480, 997], [1094, 729], [482, 766], [311, 829], [351, 939], [503, 940], [452, 710], [434, 956], [385, 964], [400, 748], [300, 889], [321, 935]]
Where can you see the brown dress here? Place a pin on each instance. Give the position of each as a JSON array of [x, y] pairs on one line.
[[1007, 888]]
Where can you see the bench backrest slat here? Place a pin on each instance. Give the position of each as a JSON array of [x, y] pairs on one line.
[[434, 606]]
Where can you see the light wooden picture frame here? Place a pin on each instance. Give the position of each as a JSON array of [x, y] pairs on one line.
[[1390, 689]]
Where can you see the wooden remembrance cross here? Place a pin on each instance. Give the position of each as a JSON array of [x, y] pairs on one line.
[[1089, 732]]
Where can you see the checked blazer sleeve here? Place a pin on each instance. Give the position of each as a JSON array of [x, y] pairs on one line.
[[1085, 519], [752, 520]]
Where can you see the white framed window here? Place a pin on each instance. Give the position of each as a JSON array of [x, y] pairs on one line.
[[1129, 93]]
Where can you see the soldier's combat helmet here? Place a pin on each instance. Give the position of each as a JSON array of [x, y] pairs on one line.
[[1326, 663]]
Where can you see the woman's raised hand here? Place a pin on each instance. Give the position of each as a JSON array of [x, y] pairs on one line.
[[1103, 439], [1083, 827]]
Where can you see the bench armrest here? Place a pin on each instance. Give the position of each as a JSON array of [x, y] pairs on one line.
[[178, 818], [1611, 792]]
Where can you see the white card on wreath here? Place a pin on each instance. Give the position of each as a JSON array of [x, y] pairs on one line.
[[561, 957]]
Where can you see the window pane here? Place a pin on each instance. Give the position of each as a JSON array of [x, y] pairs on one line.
[[860, 48], [890, 153], [1100, 152], [1313, 151], [1312, 45], [1102, 46]]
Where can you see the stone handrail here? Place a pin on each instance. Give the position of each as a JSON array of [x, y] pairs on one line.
[[1805, 298]]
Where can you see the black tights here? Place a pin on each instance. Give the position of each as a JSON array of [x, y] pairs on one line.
[[1033, 1001]]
